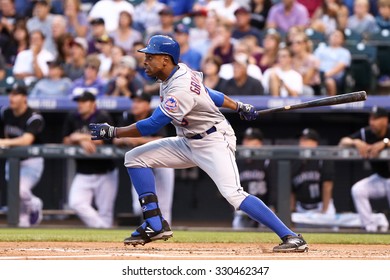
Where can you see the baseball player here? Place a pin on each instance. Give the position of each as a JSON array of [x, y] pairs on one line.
[[96, 180], [204, 139], [165, 177], [23, 127], [312, 180], [370, 141]]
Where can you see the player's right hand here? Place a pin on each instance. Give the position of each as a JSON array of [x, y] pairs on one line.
[[246, 111], [102, 131]]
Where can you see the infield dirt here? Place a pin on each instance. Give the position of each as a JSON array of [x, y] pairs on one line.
[[184, 251]]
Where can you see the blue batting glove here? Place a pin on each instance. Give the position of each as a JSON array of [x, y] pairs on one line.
[[102, 131], [246, 111]]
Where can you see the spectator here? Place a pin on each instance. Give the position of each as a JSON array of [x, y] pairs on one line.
[[5, 39], [180, 8], [188, 55], [74, 69], [224, 9], [383, 18], [96, 180], [243, 27], [104, 45], [211, 24], [125, 35], [24, 7], [109, 11], [98, 30], [334, 60], [286, 14], [19, 41], [58, 29], [91, 80], [227, 69], [2, 67], [255, 177], [23, 127], [342, 18], [210, 68], [222, 44], [55, 85], [259, 12], [362, 21], [324, 19], [311, 5], [116, 55], [166, 26], [128, 81], [76, 19], [242, 83], [146, 14], [282, 80], [372, 3], [370, 141], [312, 180], [198, 34], [31, 64], [305, 63], [64, 47], [165, 177], [268, 56], [42, 20], [8, 15]]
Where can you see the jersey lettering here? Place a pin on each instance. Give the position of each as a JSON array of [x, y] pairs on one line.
[[195, 86]]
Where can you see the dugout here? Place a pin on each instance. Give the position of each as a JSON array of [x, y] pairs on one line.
[[196, 199]]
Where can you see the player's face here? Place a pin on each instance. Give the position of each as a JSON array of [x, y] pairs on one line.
[[308, 143], [378, 125], [85, 107], [248, 142], [154, 64], [16, 100], [140, 107]]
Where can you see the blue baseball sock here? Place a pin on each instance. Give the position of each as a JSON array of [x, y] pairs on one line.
[[143, 181], [258, 211]]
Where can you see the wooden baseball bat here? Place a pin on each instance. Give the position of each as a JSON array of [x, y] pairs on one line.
[[326, 101]]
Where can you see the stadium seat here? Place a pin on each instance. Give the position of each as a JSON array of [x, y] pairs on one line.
[[352, 37], [382, 42], [7, 82], [363, 68], [315, 36]]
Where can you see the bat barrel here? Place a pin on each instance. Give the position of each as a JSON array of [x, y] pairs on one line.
[[326, 101]]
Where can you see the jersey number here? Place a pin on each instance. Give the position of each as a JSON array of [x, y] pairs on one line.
[[314, 190]]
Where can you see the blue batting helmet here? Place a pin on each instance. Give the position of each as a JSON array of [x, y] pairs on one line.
[[161, 44]]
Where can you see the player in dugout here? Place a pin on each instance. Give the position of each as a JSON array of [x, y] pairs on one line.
[[204, 139]]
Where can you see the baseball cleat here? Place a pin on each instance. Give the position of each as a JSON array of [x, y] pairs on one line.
[[292, 244], [147, 234]]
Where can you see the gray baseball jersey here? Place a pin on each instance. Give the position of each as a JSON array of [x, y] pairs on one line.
[[185, 100]]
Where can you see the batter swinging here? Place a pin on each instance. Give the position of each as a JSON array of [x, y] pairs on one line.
[[204, 139]]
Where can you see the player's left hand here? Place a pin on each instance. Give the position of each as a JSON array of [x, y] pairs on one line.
[[246, 111], [102, 131]]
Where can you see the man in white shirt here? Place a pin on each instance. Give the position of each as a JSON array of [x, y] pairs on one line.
[[31, 65], [109, 10]]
